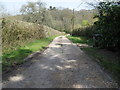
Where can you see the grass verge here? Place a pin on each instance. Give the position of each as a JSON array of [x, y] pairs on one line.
[[82, 40], [111, 65], [17, 57]]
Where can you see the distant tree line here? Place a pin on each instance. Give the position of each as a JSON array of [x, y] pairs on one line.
[[60, 19]]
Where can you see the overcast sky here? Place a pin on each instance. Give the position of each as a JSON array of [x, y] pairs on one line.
[[13, 6]]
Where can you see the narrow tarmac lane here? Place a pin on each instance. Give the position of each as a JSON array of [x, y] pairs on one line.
[[62, 65]]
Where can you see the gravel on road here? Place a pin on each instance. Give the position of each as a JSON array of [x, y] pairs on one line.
[[61, 65]]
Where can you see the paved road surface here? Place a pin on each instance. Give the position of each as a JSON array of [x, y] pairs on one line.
[[62, 65]]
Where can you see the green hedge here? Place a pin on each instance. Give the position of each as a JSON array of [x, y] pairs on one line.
[[17, 33]]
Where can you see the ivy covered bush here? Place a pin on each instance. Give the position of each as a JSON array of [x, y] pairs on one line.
[[108, 24]]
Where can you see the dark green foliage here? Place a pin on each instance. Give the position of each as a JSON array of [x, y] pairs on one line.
[[87, 31], [108, 24], [52, 8]]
